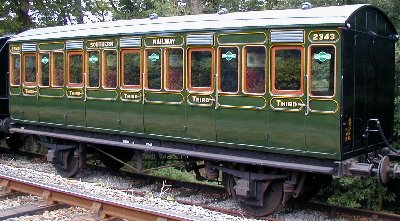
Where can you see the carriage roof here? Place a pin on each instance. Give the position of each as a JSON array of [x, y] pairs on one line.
[[333, 16]]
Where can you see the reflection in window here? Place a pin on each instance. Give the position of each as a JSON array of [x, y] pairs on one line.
[[153, 69], [94, 68], [287, 69], [322, 70], [201, 68], [30, 68], [44, 61], [58, 59], [174, 75], [110, 69], [75, 68], [15, 69], [229, 69], [255, 70], [131, 68]]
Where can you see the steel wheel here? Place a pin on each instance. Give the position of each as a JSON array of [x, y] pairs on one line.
[[273, 197], [14, 142], [71, 164]]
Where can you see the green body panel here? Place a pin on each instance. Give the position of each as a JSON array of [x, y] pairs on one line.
[[164, 114], [322, 134], [15, 103], [51, 105], [200, 123], [51, 46], [286, 130], [131, 116], [242, 126], [75, 108], [102, 110], [30, 104], [246, 38]]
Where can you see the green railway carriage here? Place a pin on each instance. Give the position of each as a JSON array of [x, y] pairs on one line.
[[266, 97]]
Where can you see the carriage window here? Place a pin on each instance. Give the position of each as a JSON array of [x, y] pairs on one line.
[[15, 69], [131, 68], [30, 68], [228, 71], [254, 76], [75, 68], [93, 69], [58, 73], [201, 69], [153, 69], [287, 70], [322, 70], [44, 67], [174, 72], [110, 69]]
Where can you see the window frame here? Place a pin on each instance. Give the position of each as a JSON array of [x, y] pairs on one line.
[[309, 72], [53, 69], [275, 91], [87, 73], [12, 74], [40, 73], [104, 67], [23, 74], [146, 76], [166, 72], [219, 64], [75, 85], [136, 51], [244, 69], [189, 68]]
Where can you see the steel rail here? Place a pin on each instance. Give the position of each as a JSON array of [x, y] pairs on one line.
[[100, 206]]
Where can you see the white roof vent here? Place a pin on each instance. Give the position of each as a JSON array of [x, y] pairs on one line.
[[306, 5], [222, 11], [153, 16]]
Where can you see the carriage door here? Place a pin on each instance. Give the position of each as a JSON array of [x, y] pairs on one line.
[[322, 128], [200, 109], [288, 98]]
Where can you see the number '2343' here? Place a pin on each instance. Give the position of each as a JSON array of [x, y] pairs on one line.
[[323, 36]]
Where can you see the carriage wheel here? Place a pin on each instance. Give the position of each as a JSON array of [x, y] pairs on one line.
[[15, 142], [272, 200], [71, 163]]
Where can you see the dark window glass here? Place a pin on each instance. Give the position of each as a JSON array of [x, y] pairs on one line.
[[153, 69], [174, 79], [75, 68], [201, 69], [229, 69], [255, 70], [287, 69], [94, 68], [30, 68], [110, 69], [44, 61], [58, 58], [131, 68], [15, 69], [322, 70]]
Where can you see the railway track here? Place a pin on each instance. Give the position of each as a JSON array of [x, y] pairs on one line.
[[100, 207], [219, 194]]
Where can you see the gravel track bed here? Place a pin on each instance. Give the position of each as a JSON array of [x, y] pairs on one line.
[[110, 184], [66, 214], [103, 185], [17, 201]]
